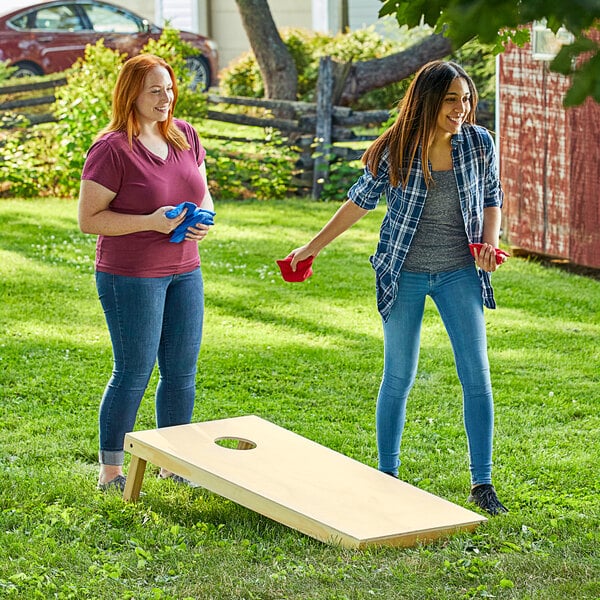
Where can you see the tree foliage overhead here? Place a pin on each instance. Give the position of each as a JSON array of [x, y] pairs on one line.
[[502, 20]]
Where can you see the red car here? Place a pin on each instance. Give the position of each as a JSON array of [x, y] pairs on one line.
[[50, 37]]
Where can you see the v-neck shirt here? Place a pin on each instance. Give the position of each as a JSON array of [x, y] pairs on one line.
[[144, 182]]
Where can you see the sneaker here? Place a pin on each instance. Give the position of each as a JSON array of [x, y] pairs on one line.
[[180, 480], [484, 496], [116, 484]]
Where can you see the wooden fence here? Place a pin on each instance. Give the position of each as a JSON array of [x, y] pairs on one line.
[[320, 130], [315, 129], [20, 105]]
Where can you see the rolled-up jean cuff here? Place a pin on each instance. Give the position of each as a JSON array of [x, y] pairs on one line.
[[110, 457]]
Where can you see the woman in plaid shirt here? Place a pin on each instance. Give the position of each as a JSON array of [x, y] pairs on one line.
[[438, 172]]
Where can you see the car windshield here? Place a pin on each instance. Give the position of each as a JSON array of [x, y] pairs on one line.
[[108, 20]]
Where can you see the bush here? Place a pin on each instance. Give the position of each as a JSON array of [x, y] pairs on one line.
[[49, 160], [5, 70], [25, 158], [83, 108], [243, 77], [264, 174]]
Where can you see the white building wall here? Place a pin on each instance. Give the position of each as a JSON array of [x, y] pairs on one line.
[[144, 8], [362, 13], [181, 14], [227, 29]]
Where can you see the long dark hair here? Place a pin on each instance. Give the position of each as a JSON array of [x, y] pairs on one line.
[[416, 123]]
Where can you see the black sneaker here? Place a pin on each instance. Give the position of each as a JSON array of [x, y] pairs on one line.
[[117, 484], [485, 497], [180, 480]]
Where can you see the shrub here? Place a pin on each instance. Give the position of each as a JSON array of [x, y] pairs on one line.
[[5, 70], [243, 77], [257, 168], [25, 163], [49, 159], [83, 108]]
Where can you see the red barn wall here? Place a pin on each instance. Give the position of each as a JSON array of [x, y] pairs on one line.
[[549, 162]]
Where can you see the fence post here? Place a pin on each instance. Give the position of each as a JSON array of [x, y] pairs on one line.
[[324, 126]]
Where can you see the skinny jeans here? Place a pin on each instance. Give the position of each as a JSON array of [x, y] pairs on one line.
[[457, 296], [149, 319]]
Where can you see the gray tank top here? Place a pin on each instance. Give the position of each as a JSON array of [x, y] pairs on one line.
[[440, 242]]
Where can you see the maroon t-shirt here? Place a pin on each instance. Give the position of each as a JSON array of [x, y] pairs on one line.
[[144, 182]]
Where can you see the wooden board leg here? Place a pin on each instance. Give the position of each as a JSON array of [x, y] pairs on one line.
[[135, 477]]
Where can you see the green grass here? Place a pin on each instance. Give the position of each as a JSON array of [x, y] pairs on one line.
[[307, 357]]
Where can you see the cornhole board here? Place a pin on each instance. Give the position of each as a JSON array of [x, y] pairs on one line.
[[297, 482]]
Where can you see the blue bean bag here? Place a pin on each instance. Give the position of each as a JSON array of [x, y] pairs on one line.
[[193, 217]]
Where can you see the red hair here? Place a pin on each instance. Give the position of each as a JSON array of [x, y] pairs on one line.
[[128, 87]]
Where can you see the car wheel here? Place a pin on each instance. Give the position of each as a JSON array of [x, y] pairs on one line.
[[27, 69], [200, 71]]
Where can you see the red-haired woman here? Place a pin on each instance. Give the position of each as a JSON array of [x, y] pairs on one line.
[[142, 165], [438, 173]]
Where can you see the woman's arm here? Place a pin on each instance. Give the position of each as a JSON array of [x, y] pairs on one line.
[[486, 258], [491, 225], [347, 215], [96, 217], [207, 201], [198, 233]]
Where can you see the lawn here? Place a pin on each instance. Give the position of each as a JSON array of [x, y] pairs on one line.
[[307, 357]]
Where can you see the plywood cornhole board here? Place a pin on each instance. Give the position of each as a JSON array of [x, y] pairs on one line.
[[297, 482]]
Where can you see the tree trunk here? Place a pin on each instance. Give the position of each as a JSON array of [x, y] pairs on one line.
[[368, 75], [274, 60]]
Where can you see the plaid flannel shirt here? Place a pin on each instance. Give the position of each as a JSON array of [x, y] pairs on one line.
[[476, 171]]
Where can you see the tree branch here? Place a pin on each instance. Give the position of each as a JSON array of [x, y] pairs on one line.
[[377, 73]]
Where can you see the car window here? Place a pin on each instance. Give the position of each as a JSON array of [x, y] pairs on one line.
[[53, 18], [105, 19], [19, 22]]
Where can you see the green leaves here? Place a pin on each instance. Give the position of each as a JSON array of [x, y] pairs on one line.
[[585, 73], [48, 159], [468, 19], [462, 20], [410, 13], [564, 62]]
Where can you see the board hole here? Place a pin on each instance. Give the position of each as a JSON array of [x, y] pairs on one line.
[[235, 443]]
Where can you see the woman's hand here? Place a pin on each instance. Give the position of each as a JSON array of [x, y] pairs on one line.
[[485, 258], [197, 233], [301, 253], [158, 220]]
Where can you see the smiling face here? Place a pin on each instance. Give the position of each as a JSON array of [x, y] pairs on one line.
[[156, 97], [456, 105]]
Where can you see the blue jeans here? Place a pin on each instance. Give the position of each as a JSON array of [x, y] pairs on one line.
[[457, 296], [149, 318]]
